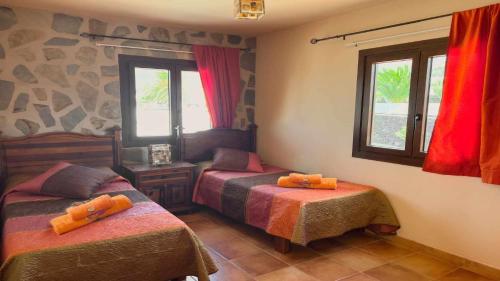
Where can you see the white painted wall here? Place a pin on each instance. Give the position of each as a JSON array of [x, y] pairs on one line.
[[305, 110]]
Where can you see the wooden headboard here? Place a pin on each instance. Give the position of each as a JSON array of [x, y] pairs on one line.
[[37, 153], [199, 146]]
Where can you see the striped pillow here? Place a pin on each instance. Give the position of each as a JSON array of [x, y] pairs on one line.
[[236, 160], [67, 180]]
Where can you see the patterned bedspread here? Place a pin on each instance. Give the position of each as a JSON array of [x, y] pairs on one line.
[[142, 243], [298, 214]]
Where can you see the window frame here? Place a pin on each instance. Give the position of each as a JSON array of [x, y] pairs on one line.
[[419, 52], [127, 64]]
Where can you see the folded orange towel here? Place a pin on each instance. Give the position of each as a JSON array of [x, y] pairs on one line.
[[65, 223], [301, 178], [326, 183], [94, 207]]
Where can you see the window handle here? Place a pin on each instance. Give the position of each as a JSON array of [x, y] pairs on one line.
[[418, 117]]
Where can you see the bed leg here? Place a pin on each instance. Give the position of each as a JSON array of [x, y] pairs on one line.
[[281, 245]]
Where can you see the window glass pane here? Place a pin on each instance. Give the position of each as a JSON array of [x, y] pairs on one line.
[[152, 96], [434, 91], [390, 97], [195, 116]]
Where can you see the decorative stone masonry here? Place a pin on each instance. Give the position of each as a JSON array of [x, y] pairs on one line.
[[27, 127], [110, 110], [66, 24], [51, 79], [158, 33], [26, 54], [53, 73], [90, 77], [40, 94], [22, 37], [234, 39], [121, 31], [22, 73], [21, 102], [87, 95], [113, 89], [45, 115], [60, 101], [2, 52], [59, 41], [7, 91], [53, 54], [86, 55], [70, 120], [110, 71], [7, 18]]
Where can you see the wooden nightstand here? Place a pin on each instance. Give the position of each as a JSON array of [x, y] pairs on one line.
[[169, 185]]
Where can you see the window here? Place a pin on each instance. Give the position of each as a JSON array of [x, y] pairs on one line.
[[158, 96], [398, 97]]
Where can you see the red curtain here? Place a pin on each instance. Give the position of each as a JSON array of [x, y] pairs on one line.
[[219, 69], [466, 137]]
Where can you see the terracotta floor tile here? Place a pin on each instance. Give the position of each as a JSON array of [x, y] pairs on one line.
[[357, 259], [229, 272], [201, 225], [385, 250], [392, 272], [216, 257], [287, 274], [296, 255], [192, 217], [216, 235], [361, 277], [464, 275], [235, 248], [327, 246], [257, 237], [325, 269], [356, 238], [259, 264], [426, 265]]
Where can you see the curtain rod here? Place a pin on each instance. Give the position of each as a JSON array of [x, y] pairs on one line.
[[343, 36], [141, 48], [357, 43], [94, 36]]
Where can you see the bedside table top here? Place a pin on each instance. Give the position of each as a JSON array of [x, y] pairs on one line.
[[144, 167]]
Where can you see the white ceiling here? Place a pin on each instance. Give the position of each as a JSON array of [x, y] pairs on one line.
[[210, 15]]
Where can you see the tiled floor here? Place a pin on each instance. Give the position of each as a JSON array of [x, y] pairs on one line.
[[245, 253]]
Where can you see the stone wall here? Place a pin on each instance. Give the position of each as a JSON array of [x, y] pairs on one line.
[[51, 79]]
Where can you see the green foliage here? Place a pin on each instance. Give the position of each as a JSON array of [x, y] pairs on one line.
[[158, 92], [393, 84], [437, 83], [401, 134]]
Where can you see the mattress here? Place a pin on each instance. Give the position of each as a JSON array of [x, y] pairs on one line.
[[145, 242], [298, 214]]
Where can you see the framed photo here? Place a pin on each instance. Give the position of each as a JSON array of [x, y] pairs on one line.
[[160, 154]]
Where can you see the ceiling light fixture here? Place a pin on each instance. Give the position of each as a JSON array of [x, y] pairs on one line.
[[249, 9]]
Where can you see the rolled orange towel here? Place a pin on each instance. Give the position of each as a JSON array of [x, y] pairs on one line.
[[94, 207], [65, 223], [302, 178], [287, 182], [326, 183]]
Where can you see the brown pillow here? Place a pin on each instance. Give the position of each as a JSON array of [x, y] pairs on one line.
[[236, 160], [68, 180]]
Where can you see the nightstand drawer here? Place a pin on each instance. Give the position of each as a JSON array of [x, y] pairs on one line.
[[155, 194], [164, 176], [167, 181], [170, 186]]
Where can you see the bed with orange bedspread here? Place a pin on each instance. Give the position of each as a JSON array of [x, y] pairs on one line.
[[297, 214], [143, 243]]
